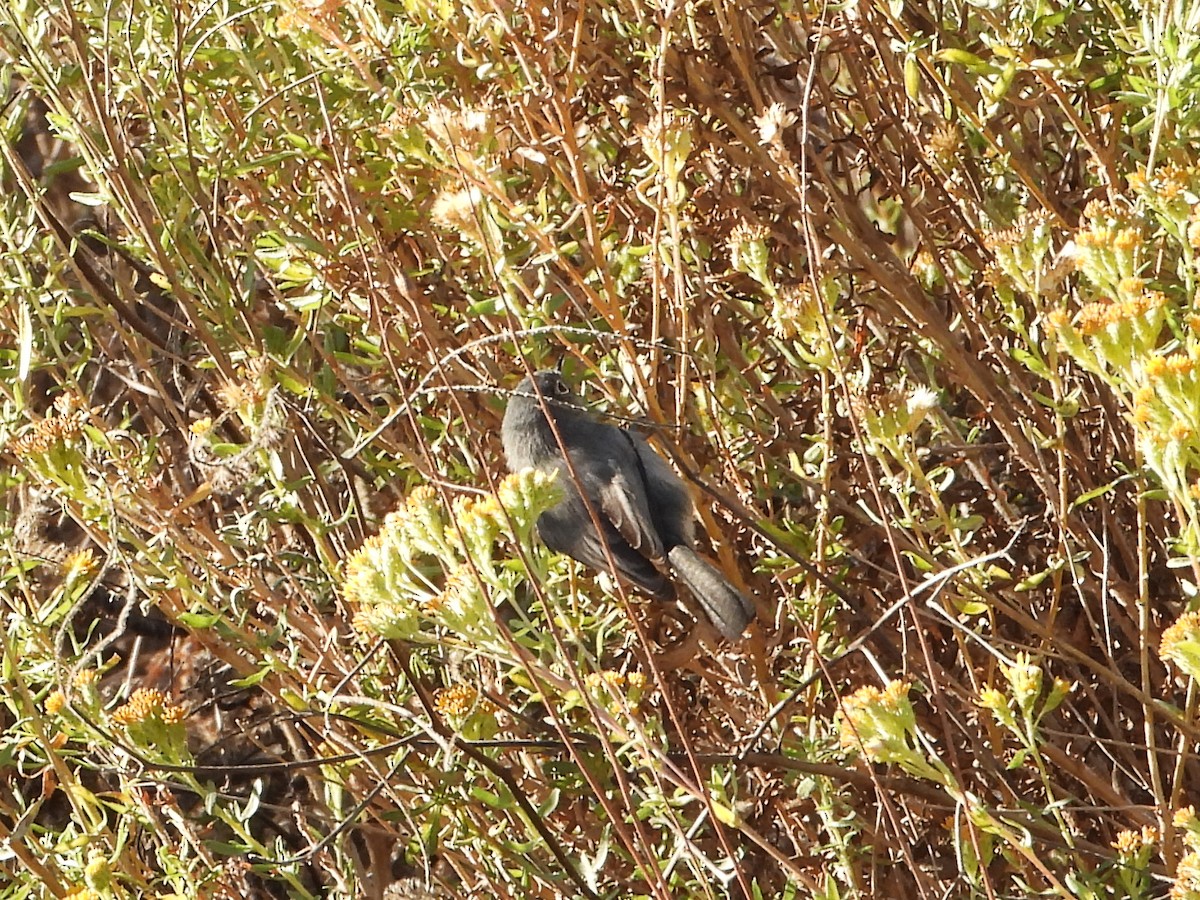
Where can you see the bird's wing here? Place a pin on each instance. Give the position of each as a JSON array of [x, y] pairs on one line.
[[630, 563], [568, 531], [623, 502]]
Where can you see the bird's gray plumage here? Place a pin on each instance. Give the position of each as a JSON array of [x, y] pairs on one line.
[[642, 507]]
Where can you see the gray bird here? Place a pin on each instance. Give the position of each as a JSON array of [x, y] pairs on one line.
[[642, 506]]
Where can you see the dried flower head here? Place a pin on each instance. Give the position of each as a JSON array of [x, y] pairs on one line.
[[794, 313], [773, 122], [246, 393], [462, 128], [306, 14], [747, 245], [457, 210], [945, 142], [922, 401], [53, 431], [667, 141]]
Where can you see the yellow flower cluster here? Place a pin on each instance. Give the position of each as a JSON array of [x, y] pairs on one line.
[[1114, 337], [1187, 878], [1135, 337], [480, 521], [1109, 248], [881, 724], [1101, 237], [617, 680], [472, 715], [876, 715], [461, 700], [379, 577], [604, 685], [1168, 183], [1180, 643], [1025, 680], [1187, 873], [1130, 843], [389, 577], [1164, 402], [80, 565], [98, 871], [1097, 317], [146, 705], [153, 723]]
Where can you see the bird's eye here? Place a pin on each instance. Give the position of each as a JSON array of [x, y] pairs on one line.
[[561, 388]]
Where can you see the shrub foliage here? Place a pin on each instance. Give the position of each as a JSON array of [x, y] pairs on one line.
[[909, 293]]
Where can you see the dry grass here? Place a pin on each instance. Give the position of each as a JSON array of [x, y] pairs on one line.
[[826, 255]]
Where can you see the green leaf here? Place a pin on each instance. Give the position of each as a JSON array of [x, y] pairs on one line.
[[88, 199], [1034, 364], [252, 680], [912, 77], [488, 797], [724, 814], [971, 608], [1084, 499], [199, 621], [958, 57]]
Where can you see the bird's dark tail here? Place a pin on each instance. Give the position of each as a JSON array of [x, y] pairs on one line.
[[724, 605]]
